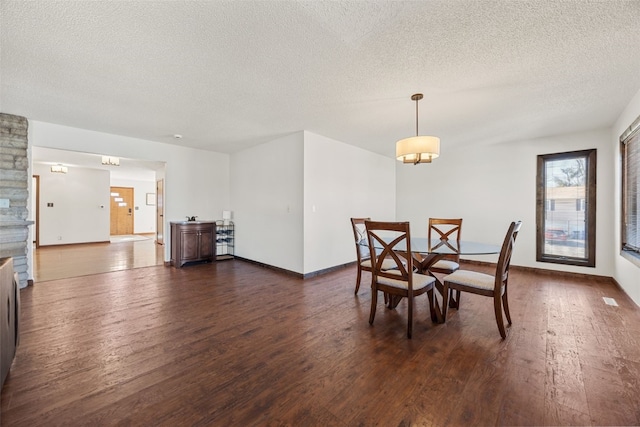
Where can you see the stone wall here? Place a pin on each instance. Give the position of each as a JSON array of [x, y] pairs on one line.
[[14, 184]]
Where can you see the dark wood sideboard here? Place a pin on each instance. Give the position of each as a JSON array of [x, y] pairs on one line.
[[192, 241]]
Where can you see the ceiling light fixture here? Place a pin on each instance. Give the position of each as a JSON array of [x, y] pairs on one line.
[[110, 161], [417, 149], [58, 169]]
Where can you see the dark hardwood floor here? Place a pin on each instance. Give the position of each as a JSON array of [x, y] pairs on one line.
[[235, 344]]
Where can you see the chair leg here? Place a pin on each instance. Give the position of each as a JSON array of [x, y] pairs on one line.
[[454, 302], [497, 306], [410, 315], [358, 280], [445, 301], [374, 303], [505, 304]]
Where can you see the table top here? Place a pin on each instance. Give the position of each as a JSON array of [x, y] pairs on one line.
[[448, 247], [463, 247]]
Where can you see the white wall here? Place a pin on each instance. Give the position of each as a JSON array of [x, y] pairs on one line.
[[341, 181], [491, 185], [196, 181], [80, 211], [625, 272], [267, 196], [276, 186], [144, 216]]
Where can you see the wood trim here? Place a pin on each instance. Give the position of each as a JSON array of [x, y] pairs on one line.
[[270, 267], [299, 275], [536, 270], [328, 270], [77, 244]]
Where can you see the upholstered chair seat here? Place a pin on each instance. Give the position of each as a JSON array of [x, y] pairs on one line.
[[492, 286], [420, 281], [445, 265], [471, 279]]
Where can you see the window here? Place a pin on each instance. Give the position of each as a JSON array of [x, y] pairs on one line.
[[630, 144], [566, 214]]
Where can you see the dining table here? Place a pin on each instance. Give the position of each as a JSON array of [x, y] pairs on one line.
[[427, 252]]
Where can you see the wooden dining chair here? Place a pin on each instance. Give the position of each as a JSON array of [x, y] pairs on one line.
[[401, 281], [363, 251], [485, 284], [446, 229]]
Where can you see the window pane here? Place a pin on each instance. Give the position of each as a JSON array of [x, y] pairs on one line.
[[566, 208], [631, 200], [564, 225]]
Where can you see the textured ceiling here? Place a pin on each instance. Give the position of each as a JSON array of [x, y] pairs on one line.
[[228, 75]]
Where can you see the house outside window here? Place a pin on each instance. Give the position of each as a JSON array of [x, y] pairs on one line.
[[566, 187], [550, 204]]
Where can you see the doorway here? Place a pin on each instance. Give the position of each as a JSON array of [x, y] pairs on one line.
[[121, 211], [141, 175]]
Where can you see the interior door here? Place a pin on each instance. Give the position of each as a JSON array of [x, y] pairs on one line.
[[160, 212], [121, 210]]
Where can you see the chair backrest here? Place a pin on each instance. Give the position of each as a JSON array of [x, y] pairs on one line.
[[446, 229], [360, 238], [392, 241], [504, 261]]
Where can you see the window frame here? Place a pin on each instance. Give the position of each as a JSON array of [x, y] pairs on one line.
[[590, 208], [632, 133]]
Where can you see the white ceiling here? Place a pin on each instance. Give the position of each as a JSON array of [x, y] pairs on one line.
[[228, 75]]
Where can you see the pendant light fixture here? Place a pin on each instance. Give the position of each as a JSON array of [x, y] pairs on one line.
[[59, 168], [418, 149], [110, 161]]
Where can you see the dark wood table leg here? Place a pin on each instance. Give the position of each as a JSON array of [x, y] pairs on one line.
[[423, 264], [394, 300]]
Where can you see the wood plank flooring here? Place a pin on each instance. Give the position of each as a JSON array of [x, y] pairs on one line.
[[235, 344], [59, 262]]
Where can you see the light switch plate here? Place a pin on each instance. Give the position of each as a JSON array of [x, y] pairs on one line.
[[4, 203]]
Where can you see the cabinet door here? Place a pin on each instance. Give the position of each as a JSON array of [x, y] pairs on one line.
[[206, 243], [189, 245]]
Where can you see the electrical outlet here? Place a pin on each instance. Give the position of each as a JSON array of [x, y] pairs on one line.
[[5, 203]]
